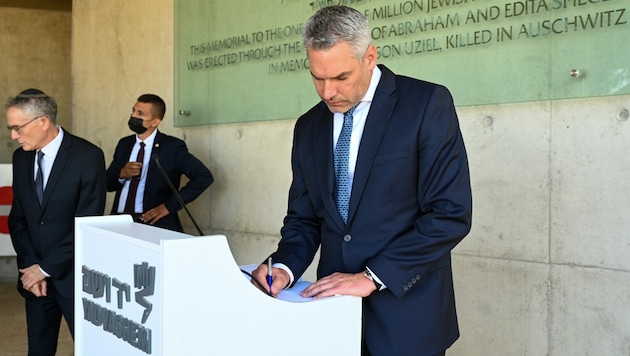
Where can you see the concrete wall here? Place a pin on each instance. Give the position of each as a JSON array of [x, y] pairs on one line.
[[545, 269], [34, 52]]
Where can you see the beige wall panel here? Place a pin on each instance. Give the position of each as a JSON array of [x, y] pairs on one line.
[[508, 151], [591, 183], [589, 311], [253, 174], [34, 53], [120, 50], [502, 307]]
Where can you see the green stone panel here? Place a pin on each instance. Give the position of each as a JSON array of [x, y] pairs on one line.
[[241, 61]]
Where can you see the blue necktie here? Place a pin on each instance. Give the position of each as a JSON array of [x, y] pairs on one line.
[[39, 178], [342, 154]]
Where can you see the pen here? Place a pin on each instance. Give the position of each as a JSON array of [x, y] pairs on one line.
[[269, 273]]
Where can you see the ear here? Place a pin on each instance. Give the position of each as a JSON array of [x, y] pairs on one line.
[[371, 55], [44, 122]]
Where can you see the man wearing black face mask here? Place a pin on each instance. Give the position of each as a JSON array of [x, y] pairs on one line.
[[141, 191]]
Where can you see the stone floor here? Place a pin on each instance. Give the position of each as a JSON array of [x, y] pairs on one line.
[[13, 325]]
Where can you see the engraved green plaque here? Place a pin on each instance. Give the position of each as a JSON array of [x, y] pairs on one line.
[[241, 61]]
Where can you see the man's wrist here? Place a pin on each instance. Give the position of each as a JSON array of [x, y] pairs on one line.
[[370, 276], [288, 271]]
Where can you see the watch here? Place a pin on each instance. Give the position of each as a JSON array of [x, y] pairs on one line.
[[368, 274]]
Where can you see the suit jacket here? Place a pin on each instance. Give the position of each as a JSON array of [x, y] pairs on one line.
[[45, 235], [410, 205], [175, 160]]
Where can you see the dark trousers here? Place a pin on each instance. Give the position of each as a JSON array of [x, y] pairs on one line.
[[43, 321], [366, 352]]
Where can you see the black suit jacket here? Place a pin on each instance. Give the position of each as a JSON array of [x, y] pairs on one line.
[[175, 160], [45, 235], [410, 206]]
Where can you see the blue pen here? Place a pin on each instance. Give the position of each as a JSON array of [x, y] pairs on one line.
[[269, 273]]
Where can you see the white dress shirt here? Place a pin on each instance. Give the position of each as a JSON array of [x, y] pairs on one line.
[[50, 154], [148, 148]]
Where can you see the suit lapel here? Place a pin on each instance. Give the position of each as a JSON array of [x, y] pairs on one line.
[[128, 145], [155, 152], [58, 167], [30, 168], [376, 123]]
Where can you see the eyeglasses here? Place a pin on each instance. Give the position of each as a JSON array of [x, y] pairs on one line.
[[18, 128]]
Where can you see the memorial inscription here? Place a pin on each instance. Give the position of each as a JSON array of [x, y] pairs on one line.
[[466, 45]]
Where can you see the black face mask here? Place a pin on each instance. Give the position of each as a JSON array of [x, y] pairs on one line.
[[135, 125]]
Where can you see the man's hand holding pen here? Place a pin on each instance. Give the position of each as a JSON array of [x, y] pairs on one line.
[[279, 278]]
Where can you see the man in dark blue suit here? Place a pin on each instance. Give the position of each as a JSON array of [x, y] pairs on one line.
[[141, 190], [67, 180], [410, 202]]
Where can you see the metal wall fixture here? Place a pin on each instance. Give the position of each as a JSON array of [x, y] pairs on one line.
[[488, 121], [576, 73]]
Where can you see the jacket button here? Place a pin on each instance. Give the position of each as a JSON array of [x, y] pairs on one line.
[[405, 288], [347, 238], [41, 223]]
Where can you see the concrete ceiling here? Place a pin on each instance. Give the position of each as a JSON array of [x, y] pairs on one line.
[[57, 5]]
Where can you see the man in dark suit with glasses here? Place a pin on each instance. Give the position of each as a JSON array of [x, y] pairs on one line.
[[56, 177]]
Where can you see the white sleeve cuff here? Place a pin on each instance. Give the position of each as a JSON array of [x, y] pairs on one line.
[[285, 268], [378, 280]]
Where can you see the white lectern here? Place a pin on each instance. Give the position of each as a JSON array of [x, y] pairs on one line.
[[144, 290]]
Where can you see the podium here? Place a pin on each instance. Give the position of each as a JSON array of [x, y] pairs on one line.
[[144, 290]]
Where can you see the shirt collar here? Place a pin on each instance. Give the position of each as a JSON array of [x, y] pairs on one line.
[[376, 77], [148, 142], [51, 149]]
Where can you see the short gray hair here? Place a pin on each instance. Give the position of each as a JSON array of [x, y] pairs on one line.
[[333, 24], [34, 102]]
